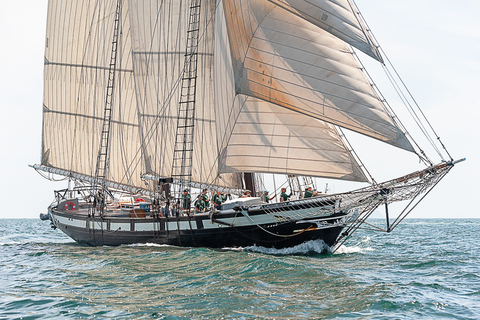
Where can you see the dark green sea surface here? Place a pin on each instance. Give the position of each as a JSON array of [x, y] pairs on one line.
[[425, 269]]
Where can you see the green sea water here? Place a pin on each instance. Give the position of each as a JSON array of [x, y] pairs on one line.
[[425, 269]]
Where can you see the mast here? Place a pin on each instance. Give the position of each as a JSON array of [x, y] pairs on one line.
[[183, 152], [298, 184], [249, 180], [101, 170]]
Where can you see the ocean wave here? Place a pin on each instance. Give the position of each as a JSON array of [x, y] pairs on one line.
[[359, 247], [148, 245], [306, 248], [353, 249], [416, 272]]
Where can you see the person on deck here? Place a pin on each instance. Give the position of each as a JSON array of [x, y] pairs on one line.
[[246, 194], [309, 193], [284, 196], [218, 199], [99, 201], [206, 199], [265, 198], [200, 204], [186, 201]]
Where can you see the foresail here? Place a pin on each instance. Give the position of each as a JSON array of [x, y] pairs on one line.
[[269, 138], [283, 59], [77, 56], [256, 135], [160, 30], [337, 17]]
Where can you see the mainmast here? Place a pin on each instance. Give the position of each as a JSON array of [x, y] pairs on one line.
[[183, 152], [299, 183], [101, 170]]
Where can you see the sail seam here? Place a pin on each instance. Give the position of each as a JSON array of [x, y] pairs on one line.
[[87, 117], [170, 52], [75, 65]]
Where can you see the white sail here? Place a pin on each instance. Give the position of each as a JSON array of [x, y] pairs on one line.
[[160, 31], [77, 55], [338, 17], [283, 59], [272, 84], [259, 136], [269, 138]]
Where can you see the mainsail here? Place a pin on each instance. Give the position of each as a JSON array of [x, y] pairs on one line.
[[275, 78], [160, 29]]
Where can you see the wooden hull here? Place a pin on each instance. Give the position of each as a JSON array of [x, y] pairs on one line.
[[229, 229]]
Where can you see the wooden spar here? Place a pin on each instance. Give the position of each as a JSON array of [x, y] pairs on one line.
[[92, 180], [195, 184]]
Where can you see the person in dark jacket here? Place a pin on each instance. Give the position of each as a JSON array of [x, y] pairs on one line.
[[284, 196], [309, 193], [218, 199], [186, 201]]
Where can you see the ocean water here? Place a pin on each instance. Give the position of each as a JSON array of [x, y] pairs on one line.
[[425, 269]]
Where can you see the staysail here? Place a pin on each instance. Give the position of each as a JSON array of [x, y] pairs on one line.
[[338, 17], [274, 65]]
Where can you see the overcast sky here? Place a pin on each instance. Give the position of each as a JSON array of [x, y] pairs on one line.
[[433, 44]]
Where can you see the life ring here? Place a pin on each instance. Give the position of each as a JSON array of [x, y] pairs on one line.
[[69, 205], [139, 200]]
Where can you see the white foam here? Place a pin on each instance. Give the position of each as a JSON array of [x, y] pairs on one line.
[[148, 245], [355, 248], [312, 246]]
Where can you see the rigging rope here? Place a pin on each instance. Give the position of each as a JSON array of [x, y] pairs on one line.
[[404, 99]]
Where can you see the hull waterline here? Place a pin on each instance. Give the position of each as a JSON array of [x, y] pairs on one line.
[[196, 231]]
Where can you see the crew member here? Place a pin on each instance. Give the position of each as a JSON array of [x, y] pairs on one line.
[[284, 196], [218, 199], [309, 193], [186, 201], [200, 204], [206, 199], [246, 194], [265, 197]]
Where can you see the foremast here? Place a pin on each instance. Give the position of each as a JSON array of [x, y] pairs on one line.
[[101, 169], [184, 138]]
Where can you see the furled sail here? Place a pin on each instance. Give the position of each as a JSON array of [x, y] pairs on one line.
[[77, 56], [283, 59]]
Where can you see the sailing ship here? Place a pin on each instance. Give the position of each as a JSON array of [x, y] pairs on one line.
[[148, 101]]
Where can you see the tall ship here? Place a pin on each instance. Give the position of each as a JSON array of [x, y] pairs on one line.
[[208, 123]]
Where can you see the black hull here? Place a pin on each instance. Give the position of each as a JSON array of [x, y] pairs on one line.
[[278, 236]]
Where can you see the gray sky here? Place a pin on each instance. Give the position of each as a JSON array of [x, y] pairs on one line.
[[433, 44]]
